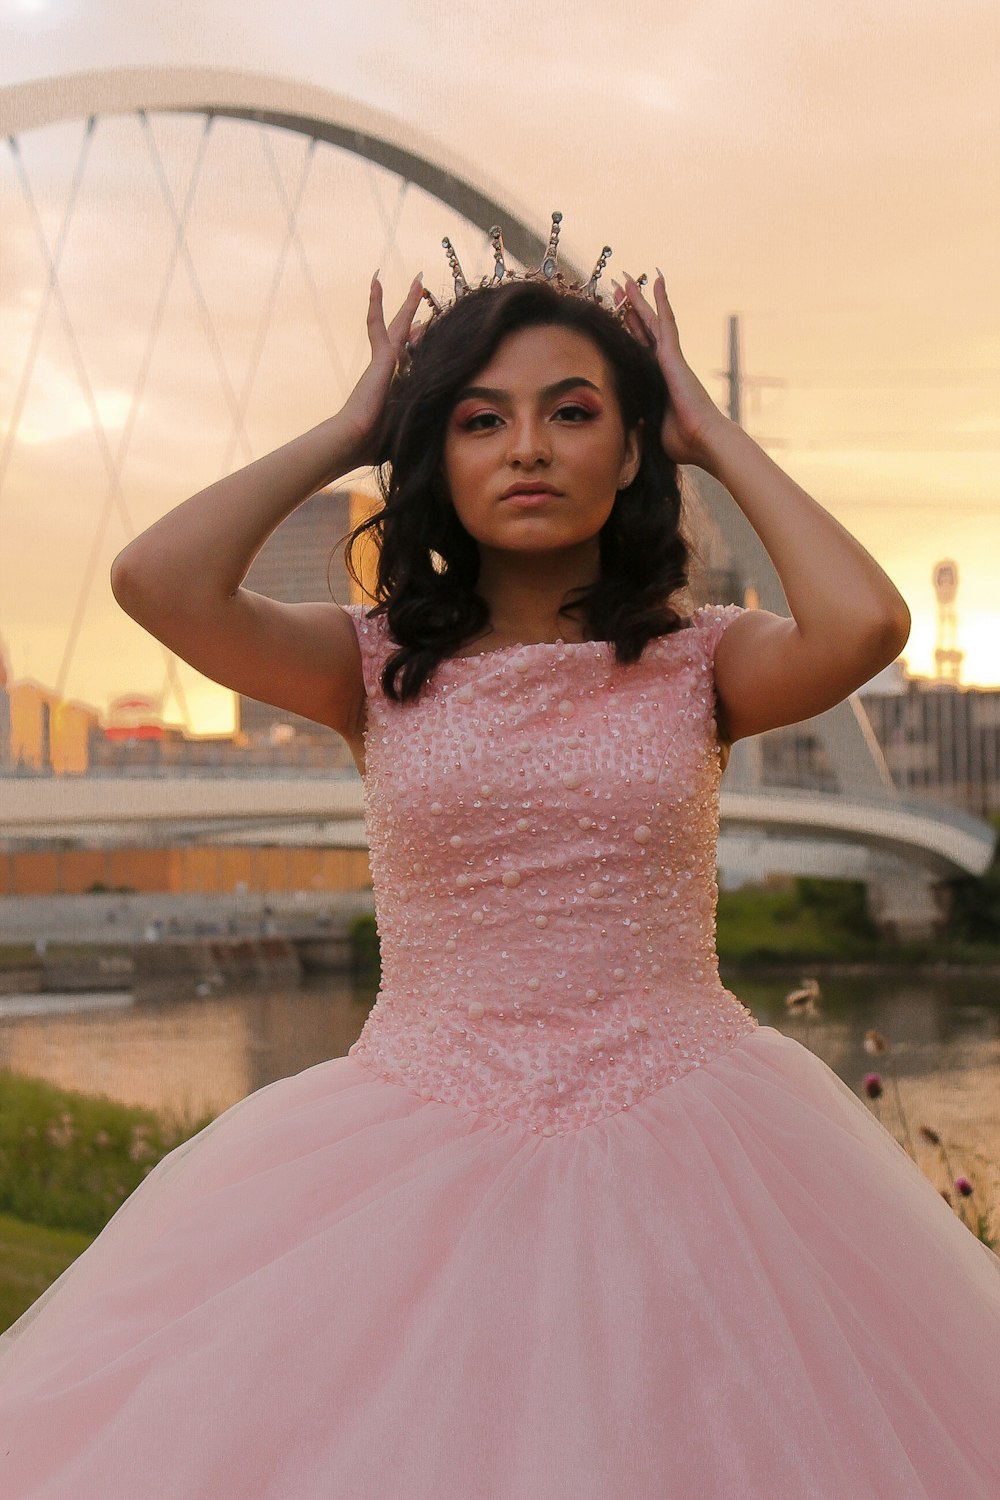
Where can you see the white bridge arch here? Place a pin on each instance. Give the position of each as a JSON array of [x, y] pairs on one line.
[[304, 108]]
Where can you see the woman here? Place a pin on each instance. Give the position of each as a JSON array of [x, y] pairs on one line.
[[567, 1223]]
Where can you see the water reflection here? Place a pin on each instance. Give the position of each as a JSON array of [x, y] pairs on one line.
[[183, 1055]]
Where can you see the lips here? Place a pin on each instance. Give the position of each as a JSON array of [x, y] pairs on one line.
[[529, 492], [529, 499]]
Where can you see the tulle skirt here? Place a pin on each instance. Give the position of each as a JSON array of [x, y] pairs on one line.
[[741, 1288]]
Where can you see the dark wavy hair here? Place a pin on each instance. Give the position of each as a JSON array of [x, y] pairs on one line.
[[428, 564]]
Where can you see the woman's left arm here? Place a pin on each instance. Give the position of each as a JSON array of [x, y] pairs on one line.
[[848, 618]]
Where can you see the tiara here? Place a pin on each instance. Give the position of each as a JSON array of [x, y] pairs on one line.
[[548, 271]]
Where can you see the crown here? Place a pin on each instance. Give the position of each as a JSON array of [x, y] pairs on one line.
[[548, 271]]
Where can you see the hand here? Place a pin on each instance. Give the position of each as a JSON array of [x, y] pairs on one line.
[[362, 411], [692, 416]]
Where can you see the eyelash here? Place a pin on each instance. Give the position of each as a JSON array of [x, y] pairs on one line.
[[585, 412]]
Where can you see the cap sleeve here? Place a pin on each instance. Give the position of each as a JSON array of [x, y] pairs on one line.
[[372, 642], [711, 620]]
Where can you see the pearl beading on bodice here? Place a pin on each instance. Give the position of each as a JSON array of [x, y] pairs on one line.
[[542, 828]]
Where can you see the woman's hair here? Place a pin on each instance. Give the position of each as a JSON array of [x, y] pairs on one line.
[[428, 564]]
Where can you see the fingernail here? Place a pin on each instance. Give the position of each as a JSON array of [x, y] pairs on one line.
[[660, 274], [375, 277]]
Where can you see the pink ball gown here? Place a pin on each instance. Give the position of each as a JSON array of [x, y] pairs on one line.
[[566, 1223]]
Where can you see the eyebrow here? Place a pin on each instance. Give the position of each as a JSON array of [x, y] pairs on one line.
[[487, 393]]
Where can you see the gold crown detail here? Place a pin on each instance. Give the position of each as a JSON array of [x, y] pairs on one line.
[[548, 271]]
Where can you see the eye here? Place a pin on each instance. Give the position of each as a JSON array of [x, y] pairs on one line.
[[482, 416], [582, 413]]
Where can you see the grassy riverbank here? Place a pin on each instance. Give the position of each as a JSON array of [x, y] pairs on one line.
[[69, 1160], [67, 1163]]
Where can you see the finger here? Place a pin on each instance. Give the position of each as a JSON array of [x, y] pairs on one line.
[[639, 317], [640, 330], [400, 326], [620, 296], [416, 334], [630, 318], [663, 301], [639, 304], [401, 329], [376, 317]]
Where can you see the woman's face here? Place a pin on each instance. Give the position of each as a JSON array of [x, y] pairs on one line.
[[542, 411]]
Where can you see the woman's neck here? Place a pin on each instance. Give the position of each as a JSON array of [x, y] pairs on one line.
[[524, 593]]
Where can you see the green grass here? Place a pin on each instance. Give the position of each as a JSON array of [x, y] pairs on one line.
[[31, 1257], [809, 919], [69, 1160], [803, 919]]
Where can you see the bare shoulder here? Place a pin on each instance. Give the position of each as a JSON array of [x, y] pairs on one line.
[[769, 673], [304, 657]]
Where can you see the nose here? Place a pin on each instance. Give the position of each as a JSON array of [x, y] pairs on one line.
[[527, 441]]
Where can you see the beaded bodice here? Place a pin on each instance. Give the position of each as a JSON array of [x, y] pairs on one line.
[[542, 829]]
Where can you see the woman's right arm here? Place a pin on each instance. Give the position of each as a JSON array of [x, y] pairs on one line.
[[181, 579]]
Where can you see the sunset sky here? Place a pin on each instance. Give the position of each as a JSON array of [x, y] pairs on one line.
[[831, 175]]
